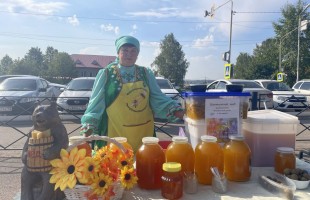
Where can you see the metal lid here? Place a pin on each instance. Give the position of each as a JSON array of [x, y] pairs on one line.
[[172, 167]]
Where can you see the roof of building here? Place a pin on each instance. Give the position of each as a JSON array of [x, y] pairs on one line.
[[92, 61]]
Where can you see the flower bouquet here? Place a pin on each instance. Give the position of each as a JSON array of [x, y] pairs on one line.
[[105, 175]]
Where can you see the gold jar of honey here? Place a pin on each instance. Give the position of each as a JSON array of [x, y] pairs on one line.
[[284, 158]]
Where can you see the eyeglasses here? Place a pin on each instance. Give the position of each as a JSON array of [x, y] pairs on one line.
[[128, 50]]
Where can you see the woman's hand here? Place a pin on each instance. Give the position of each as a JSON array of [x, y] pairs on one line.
[[88, 133], [179, 114]]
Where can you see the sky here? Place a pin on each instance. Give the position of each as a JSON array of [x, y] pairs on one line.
[[92, 26]]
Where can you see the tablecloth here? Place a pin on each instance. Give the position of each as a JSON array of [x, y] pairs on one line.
[[236, 190]]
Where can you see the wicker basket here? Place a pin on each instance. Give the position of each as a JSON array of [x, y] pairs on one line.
[[78, 192]]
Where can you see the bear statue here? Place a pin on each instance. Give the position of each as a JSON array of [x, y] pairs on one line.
[[35, 185]]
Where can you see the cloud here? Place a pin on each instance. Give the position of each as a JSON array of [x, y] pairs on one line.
[[73, 20], [110, 28], [203, 42], [32, 6]]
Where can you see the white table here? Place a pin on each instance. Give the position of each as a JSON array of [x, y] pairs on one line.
[[236, 190]]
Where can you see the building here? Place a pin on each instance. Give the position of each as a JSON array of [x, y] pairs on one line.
[[89, 65]]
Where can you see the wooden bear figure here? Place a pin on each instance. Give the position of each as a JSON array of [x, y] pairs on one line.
[[35, 184]]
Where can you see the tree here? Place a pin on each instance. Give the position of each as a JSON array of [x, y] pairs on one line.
[[289, 23], [61, 67], [243, 66], [5, 64], [33, 60], [171, 62]]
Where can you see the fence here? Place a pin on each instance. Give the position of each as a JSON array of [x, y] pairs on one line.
[[15, 122]]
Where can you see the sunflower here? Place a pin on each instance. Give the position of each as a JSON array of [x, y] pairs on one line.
[[128, 177], [68, 169], [125, 161], [102, 154], [101, 183], [91, 168]]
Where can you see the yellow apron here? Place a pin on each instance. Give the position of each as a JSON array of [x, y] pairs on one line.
[[130, 115]]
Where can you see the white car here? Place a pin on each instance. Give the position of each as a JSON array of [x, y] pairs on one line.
[[167, 88], [303, 87], [284, 98], [75, 97], [262, 96]]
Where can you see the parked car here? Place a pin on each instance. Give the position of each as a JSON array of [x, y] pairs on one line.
[[75, 96], [57, 88], [18, 95], [3, 77], [167, 88], [303, 87], [284, 97], [264, 96]]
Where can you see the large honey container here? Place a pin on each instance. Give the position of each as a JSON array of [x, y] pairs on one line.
[[217, 114], [265, 131]]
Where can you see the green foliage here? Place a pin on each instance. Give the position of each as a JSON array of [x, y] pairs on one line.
[[264, 63], [6, 64], [54, 66], [171, 62]]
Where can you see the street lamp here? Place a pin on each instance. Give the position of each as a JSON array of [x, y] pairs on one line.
[[227, 55], [298, 40]]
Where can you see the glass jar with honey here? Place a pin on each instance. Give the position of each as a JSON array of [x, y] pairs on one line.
[[208, 153], [182, 152], [284, 158], [149, 160], [172, 181], [122, 141], [237, 159], [83, 145]]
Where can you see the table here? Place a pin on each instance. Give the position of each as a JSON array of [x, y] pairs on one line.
[[236, 190]]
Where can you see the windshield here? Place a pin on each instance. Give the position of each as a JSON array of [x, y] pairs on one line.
[[81, 84], [18, 85], [247, 84], [164, 84], [276, 86]]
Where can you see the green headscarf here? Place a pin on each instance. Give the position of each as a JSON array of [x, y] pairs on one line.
[[127, 40]]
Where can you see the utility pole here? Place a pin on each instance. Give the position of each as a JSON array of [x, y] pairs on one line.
[[298, 40], [226, 55]]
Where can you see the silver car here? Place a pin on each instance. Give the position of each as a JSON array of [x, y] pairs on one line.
[[284, 98], [75, 97], [262, 96], [19, 95]]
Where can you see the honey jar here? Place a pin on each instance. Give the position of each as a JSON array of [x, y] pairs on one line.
[[284, 158], [172, 181]]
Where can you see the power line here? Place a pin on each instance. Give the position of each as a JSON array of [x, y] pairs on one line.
[[135, 20]]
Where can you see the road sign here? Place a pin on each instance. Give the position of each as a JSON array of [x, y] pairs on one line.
[[280, 76], [227, 71]]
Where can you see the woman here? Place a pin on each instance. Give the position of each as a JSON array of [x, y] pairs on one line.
[[125, 97]]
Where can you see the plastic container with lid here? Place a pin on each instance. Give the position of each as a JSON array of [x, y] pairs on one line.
[[149, 160], [208, 153], [83, 145], [182, 152], [265, 131], [237, 159], [172, 181], [284, 158], [195, 102]]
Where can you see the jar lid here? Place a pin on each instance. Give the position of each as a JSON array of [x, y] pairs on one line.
[[180, 139], [236, 137], [172, 167], [285, 150], [208, 138], [150, 140], [120, 139]]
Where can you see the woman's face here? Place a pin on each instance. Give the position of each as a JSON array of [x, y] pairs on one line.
[[128, 55]]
